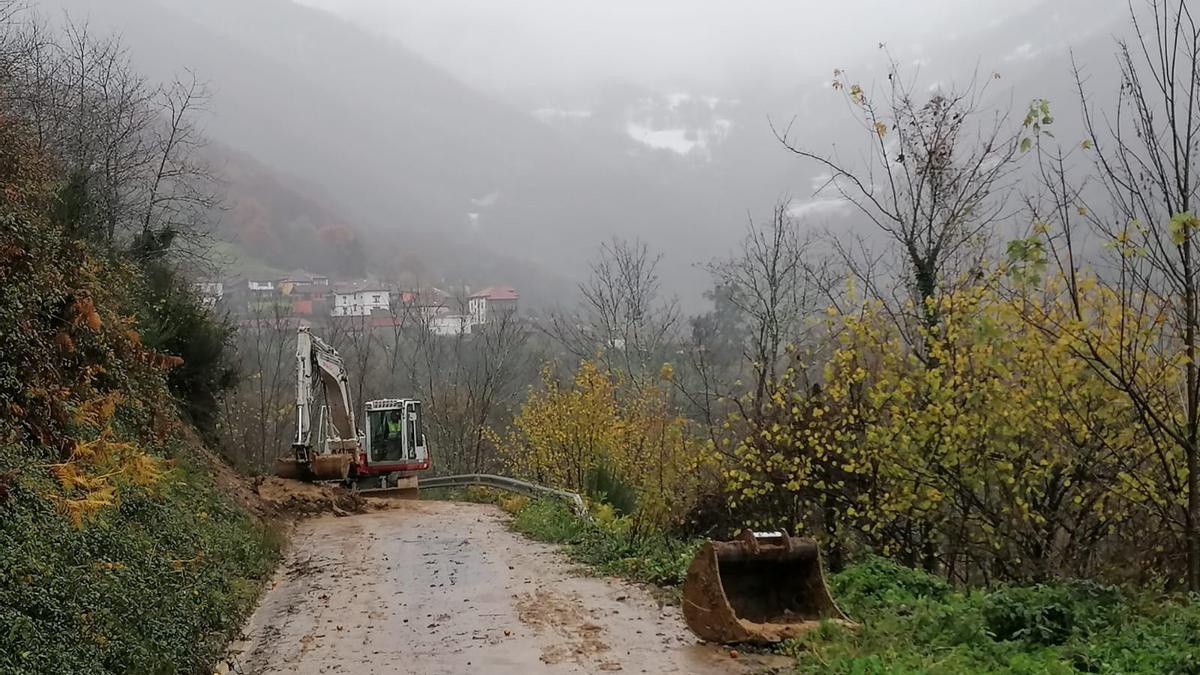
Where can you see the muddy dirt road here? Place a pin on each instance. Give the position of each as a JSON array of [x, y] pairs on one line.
[[445, 587]]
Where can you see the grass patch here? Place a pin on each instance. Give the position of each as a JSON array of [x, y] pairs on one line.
[[607, 544], [155, 585], [912, 622]]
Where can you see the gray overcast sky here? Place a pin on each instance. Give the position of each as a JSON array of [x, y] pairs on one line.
[[505, 45]]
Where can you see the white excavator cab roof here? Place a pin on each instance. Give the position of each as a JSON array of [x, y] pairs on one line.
[[389, 403]]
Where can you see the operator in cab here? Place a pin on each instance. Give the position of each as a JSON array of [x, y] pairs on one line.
[[395, 425], [395, 435]]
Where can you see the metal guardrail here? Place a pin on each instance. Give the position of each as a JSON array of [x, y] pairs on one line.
[[506, 483]]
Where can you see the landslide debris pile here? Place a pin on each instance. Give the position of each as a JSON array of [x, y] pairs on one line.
[[285, 498]]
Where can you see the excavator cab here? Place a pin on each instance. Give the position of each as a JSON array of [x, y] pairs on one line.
[[386, 435], [395, 435]]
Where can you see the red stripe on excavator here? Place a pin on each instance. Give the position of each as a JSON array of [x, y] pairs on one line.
[[388, 468]]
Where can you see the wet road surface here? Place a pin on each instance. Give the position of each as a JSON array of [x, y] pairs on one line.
[[446, 587]]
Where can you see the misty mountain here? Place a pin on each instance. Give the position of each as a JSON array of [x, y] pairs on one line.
[[427, 169], [443, 182], [281, 221], [721, 144]]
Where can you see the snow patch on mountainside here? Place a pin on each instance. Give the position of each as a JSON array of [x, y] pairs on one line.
[[682, 123]]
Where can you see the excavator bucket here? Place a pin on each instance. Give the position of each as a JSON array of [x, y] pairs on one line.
[[333, 466], [759, 588], [288, 467]]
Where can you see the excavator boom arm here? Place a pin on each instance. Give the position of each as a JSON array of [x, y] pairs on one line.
[[317, 363]]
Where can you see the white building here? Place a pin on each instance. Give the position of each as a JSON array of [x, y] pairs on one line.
[[450, 324], [360, 299], [491, 303], [210, 292], [425, 304]]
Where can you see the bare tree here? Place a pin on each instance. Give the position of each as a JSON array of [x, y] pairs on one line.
[[180, 191], [935, 182], [9, 45], [494, 377], [625, 320], [130, 150], [771, 286], [257, 418], [1146, 167]]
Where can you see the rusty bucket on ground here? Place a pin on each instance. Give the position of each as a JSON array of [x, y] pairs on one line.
[[758, 588]]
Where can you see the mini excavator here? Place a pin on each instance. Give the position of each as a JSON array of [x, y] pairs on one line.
[[382, 457]]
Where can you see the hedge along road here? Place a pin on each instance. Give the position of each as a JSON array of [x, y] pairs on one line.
[[446, 587]]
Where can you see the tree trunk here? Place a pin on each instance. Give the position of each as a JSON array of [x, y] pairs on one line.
[[1192, 519], [1192, 399]]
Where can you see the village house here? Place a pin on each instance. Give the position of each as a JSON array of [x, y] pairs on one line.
[[491, 303], [302, 278], [450, 324], [210, 292], [425, 304], [307, 299], [260, 286], [262, 297], [360, 299]]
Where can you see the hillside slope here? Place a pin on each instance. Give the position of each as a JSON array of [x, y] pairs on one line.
[[415, 156], [119, 551]]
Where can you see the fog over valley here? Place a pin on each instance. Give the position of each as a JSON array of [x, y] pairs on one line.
[[478, 142]]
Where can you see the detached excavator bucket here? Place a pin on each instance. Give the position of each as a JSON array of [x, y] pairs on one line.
[[759, 588]]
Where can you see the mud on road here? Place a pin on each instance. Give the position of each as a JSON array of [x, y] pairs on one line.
[[446, 587]]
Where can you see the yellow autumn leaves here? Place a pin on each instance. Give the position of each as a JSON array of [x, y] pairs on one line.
[[92, 476], [599, 421], [992, 440]]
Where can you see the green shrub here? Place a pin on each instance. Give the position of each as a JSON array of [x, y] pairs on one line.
[[912, 623], [608, 544], [154, 585], [548, 520], [174, 321], [605, 486], [878, 582], [1039, 615], [1051, 614], [1158, 637]]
